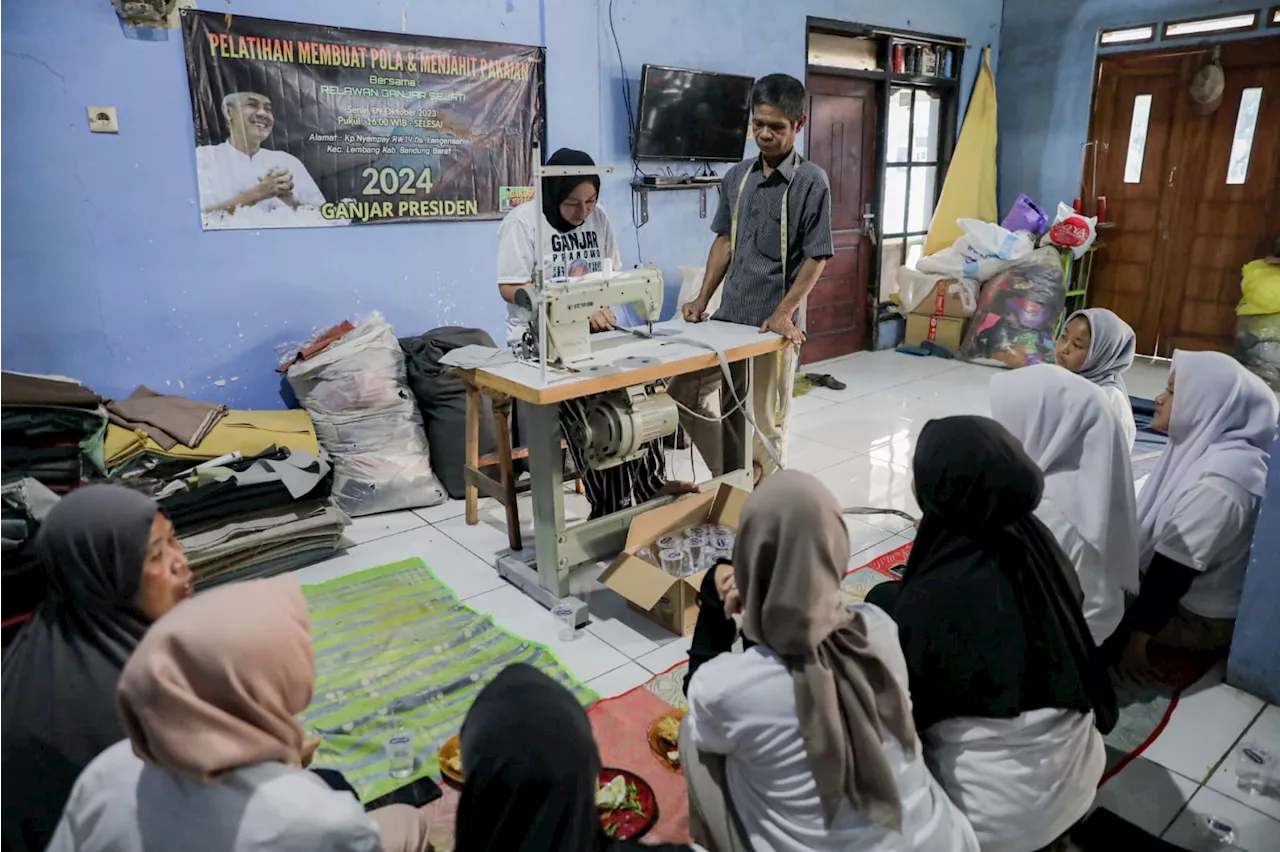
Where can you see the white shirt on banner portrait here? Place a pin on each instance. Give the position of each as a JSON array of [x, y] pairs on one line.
[[572, 253], [224, 172]]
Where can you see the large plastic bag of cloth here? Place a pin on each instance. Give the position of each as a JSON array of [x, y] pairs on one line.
[[442, 399], [368, 421], [983, 251], [913, 287], [1017, 313]]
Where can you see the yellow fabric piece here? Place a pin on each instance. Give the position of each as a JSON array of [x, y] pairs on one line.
[[969, 191], [250, 432], [1260, 284], [123, 444]]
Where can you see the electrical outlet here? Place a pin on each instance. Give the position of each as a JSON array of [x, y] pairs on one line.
[[102, 119]]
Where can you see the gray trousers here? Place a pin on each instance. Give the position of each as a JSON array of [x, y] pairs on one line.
[[713, 822]]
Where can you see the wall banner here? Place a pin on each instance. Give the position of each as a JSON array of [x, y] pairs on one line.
[[300, 126]]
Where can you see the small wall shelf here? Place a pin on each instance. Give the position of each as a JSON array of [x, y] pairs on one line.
[[645, 188]]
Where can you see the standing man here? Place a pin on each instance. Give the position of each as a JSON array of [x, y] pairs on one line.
[[241, 173], [773, 238]]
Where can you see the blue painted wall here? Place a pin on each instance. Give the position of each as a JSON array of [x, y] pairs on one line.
[[1254, 665], [108, 277], [1047, 54]]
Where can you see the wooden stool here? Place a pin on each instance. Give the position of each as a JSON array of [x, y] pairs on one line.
[[504, 489]]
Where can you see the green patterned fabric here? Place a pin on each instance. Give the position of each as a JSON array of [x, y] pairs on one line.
[[395, 645]]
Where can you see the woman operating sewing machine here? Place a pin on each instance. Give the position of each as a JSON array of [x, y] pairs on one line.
[[577, 237]]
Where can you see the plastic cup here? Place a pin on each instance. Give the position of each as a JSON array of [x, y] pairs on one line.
[[567, 619], [672, 561], [670, 542], [647, 555], [699, 531], [399, 746], [722, 542], [1255, 767], [1214, 832], [697, 549], [718, 531]]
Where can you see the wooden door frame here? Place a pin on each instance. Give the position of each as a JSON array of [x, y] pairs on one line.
[[868, 247], [884, 80], [1173, 210]]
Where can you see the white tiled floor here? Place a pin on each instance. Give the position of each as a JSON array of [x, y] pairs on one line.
[[859, 442]]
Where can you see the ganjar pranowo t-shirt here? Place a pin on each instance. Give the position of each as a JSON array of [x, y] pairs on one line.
[[569, 255]]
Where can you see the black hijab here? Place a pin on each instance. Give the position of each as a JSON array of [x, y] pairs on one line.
[[556, 189], [60, 674], [989, 612], [531, 767]]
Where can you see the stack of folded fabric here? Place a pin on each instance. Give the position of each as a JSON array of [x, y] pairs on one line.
[[131, 453], [255, 517], [167, 420], [53, 430]]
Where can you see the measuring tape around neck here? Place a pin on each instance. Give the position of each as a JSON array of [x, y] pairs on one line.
[[737, 202]]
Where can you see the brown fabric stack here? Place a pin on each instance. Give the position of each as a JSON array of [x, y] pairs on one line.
[[167, 420]]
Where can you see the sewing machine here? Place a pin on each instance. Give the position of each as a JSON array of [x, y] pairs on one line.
[[570, 304]]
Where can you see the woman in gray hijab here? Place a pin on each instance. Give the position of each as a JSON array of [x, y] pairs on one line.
[[1099, 346], [114, 566], [805, 741]]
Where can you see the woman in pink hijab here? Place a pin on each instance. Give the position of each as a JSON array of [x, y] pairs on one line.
[[214, 759]]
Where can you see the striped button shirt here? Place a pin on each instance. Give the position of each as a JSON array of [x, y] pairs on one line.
[[754, 286], [619, 487]]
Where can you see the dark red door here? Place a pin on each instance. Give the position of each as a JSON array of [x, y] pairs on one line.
[[841, 134]]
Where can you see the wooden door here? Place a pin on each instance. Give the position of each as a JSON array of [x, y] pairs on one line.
[[1130, 256], [1187, 219], [1231, 211], [841, 137]]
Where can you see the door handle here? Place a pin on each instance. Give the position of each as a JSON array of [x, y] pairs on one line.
[[869, 222]]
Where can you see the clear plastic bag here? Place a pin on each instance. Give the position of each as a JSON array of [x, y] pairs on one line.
[[1017, 313], [984, 251], [368, 421], [1257, 346]]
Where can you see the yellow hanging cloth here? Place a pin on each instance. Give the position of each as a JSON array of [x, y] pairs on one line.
[[970, 188]]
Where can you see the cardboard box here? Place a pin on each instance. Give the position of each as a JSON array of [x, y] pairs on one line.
[[670, 601], [941, 302], [949, 331]]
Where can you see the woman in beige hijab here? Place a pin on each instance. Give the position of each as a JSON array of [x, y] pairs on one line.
[[214, 759], [805, 741]]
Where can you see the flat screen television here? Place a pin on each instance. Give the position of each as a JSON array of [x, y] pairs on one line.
[[692, 115]]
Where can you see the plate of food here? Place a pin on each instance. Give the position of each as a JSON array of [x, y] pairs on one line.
[[664, 739], [627, 805], [451, 759]]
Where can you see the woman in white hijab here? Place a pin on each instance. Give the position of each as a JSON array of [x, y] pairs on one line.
[[1198, 510], [1065, 425], [1099, 346]]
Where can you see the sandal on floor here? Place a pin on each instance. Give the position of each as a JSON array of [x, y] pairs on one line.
[[826, 381]]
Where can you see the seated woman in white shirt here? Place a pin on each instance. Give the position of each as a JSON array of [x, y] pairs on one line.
[[215, 752], [1064, 424], [1099, 345], [1008, 690], [805, 741], [577, 239], [1197, 512]]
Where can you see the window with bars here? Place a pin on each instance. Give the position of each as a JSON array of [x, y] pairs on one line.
[[913, 165]]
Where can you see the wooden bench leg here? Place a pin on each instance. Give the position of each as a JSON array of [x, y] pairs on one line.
[[472, 460], [506, 468]]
